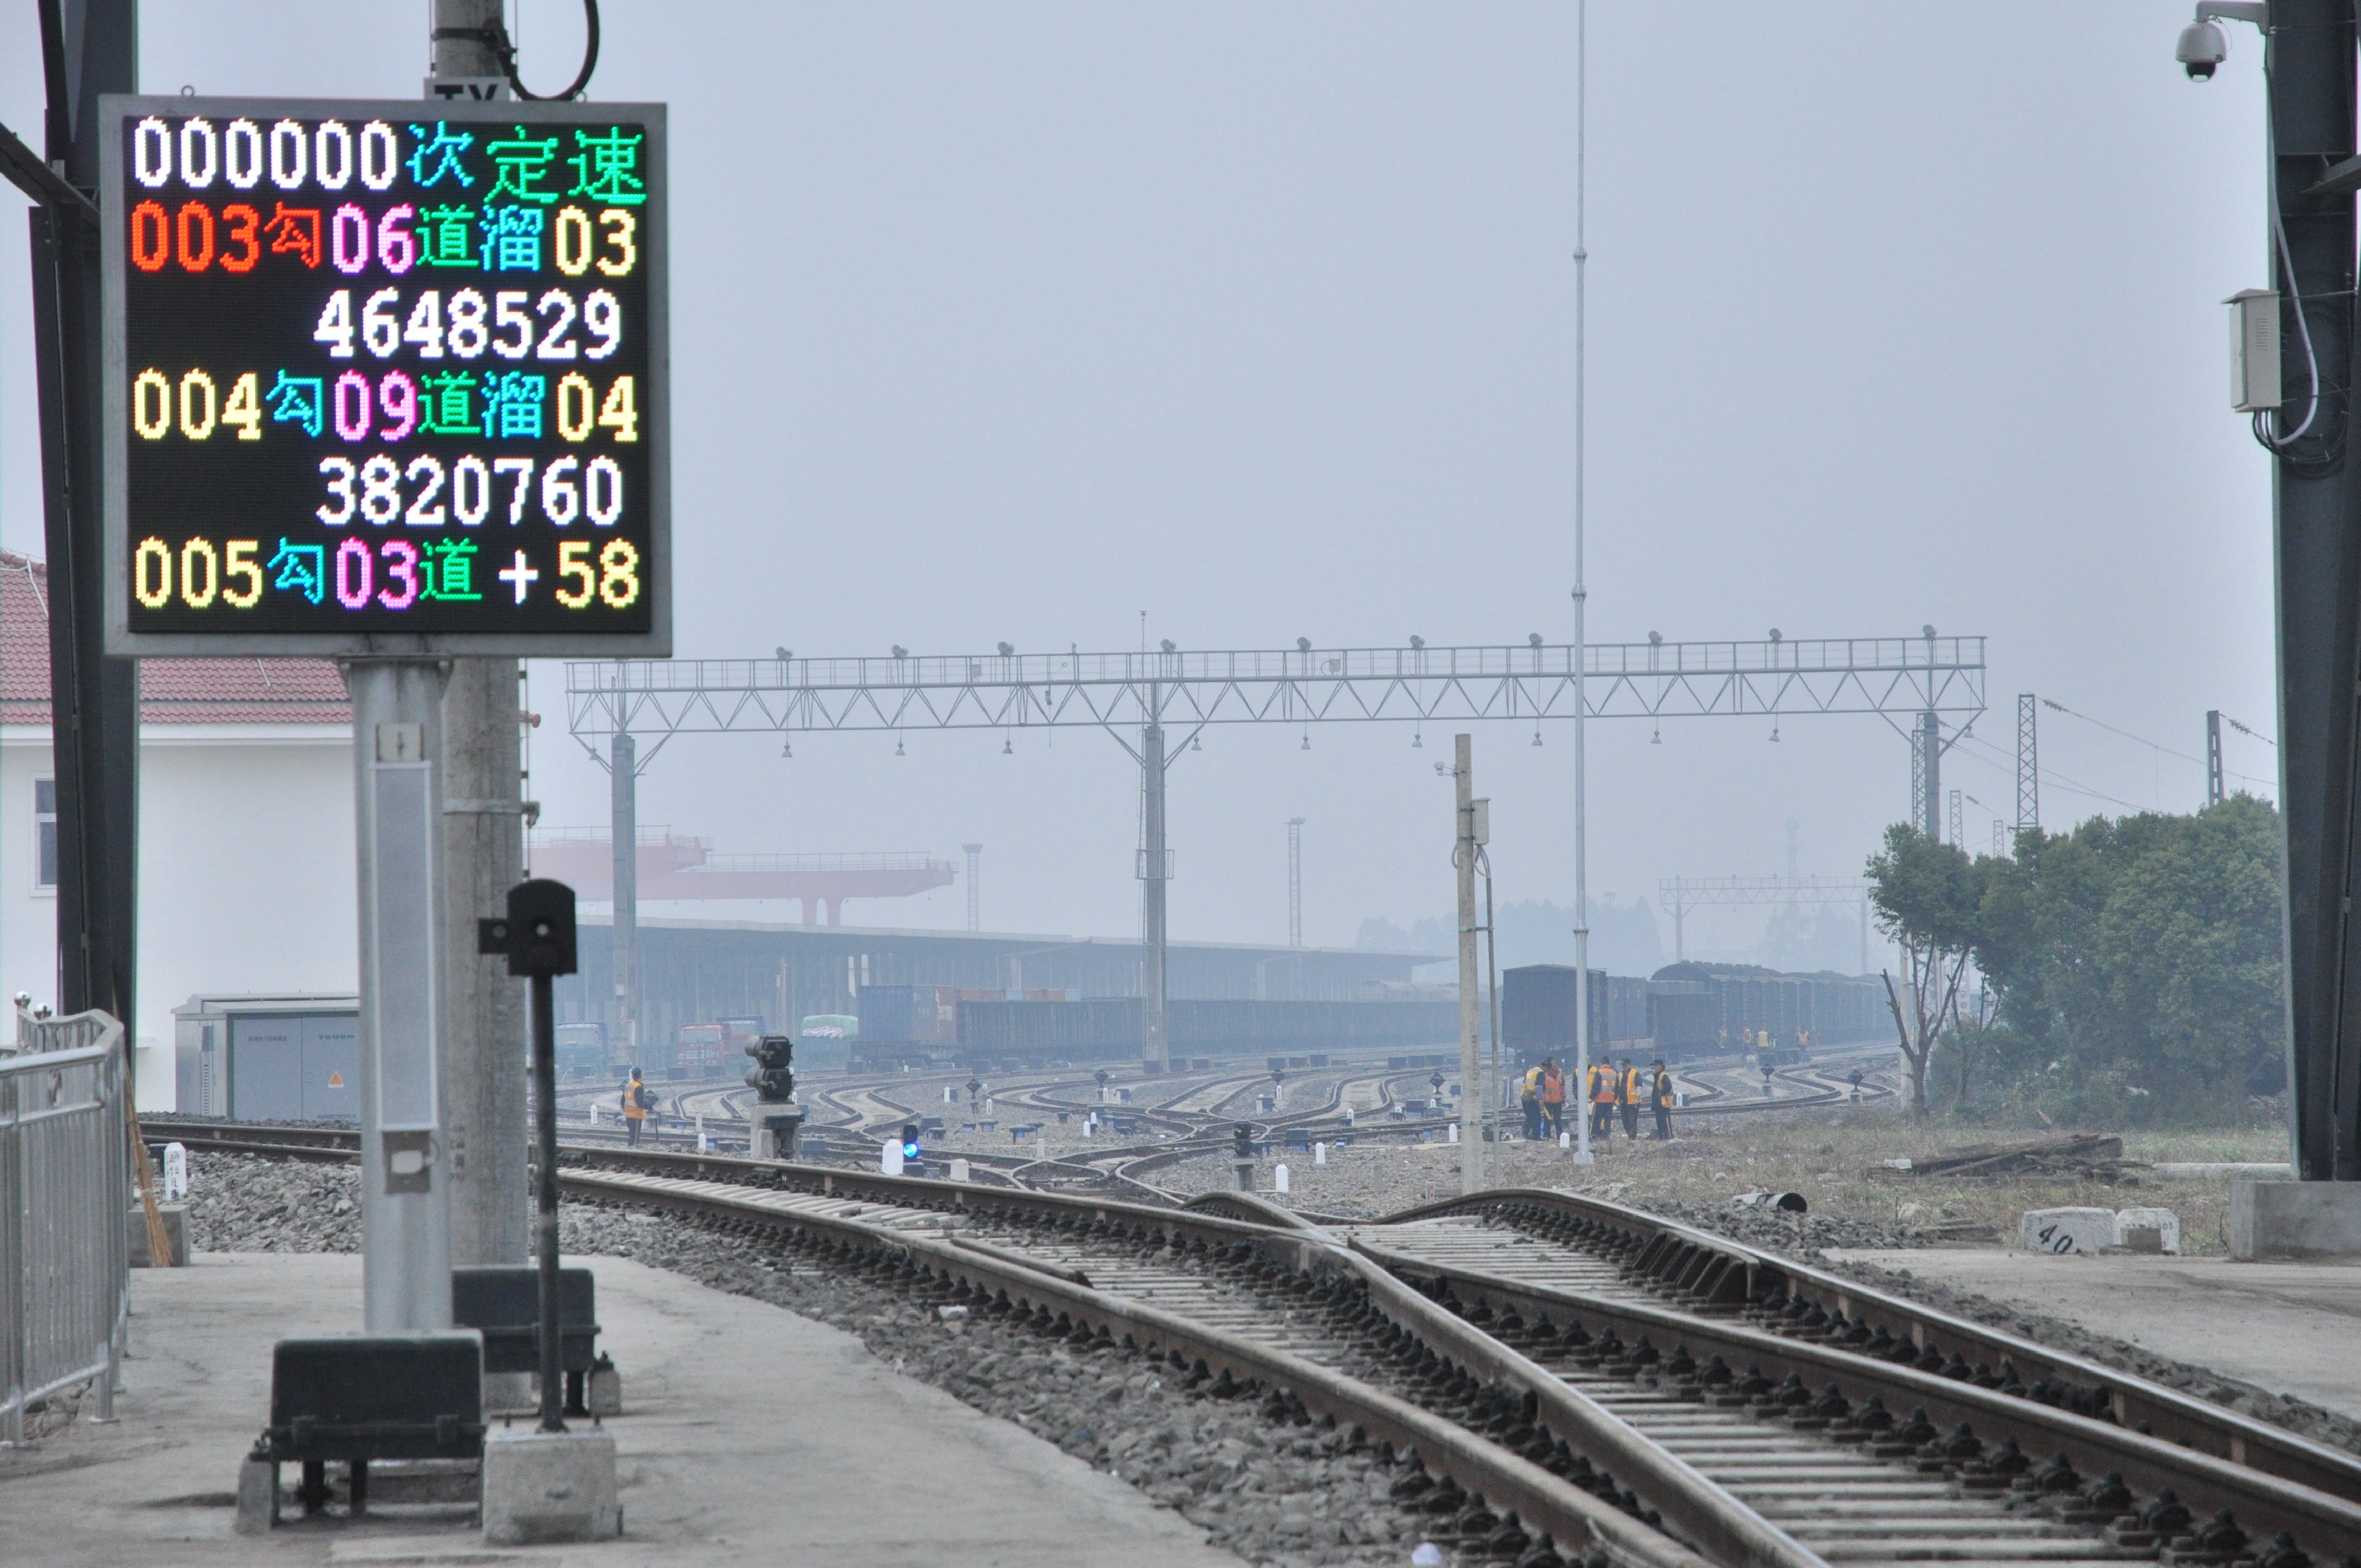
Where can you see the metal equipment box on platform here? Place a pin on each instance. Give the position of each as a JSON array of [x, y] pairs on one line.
[[283, 1057]]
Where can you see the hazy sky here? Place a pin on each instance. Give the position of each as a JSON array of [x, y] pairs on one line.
[[1013, 320]]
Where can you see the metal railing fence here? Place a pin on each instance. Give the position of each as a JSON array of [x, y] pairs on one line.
[[65, 1188]]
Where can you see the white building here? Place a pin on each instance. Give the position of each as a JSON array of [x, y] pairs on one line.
[[245, 827]]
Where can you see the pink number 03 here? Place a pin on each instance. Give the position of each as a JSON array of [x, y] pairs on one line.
[[357, 574]]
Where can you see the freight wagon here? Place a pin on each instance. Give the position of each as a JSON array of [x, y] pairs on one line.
[[1686, 1010], [995, 1034]]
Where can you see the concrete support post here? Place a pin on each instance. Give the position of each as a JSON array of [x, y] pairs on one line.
[[1154, 1042], [1471, 1001], [405, 1165], [483, 846], [2212, 756], [483, 857], [623, 776]]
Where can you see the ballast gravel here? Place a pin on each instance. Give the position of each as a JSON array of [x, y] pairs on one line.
[[247, 1203], [1269, 1492]]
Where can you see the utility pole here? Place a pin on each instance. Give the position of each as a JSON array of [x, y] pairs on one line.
[[1295, 882], [2028, 763], [88, 46], [1471, 1061], [2310, 60], [975, 887], [1154, 1052], [1956, 821], [2309, 84], [1581, 589], [1927, 776], [2212, 756], [483, 857], [624, 781]]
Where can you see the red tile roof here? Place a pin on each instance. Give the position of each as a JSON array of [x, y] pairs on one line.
[[171, 691]]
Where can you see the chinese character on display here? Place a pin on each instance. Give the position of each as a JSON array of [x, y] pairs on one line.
[[444, 149], [604, 169], [302, 567], [450, 408], [296, 400], [450, 570], [512, 404], [512, 239], [295, 231], [448, 238], [523, 163]]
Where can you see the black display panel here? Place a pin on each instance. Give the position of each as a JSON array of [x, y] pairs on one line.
[[386, 376]]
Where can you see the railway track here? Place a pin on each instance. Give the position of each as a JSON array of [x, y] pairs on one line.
[[1571, 1378]]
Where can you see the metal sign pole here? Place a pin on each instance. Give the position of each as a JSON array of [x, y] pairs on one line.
[[405, 1179]]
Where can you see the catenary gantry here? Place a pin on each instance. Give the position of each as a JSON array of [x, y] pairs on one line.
[[1915, 684]]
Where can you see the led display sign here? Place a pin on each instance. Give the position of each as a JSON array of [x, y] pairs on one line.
[[386, 376]]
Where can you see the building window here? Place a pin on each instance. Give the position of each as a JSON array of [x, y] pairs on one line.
[[45, 833]]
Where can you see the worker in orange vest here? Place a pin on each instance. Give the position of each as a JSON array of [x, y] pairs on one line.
[[1602, 1100], [1554, 1096], [1663, 1096], [635, 1108], [1629, 1100]]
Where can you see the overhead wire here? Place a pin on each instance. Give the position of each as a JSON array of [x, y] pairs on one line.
[[2127, 734]]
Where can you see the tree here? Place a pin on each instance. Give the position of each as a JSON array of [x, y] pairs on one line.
[[2143, 956], [1928, 897]]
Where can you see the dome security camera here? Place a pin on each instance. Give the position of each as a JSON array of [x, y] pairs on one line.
[[2203, 46]]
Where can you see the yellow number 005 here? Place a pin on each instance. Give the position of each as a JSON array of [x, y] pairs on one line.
[[616, 581], [204, 575]]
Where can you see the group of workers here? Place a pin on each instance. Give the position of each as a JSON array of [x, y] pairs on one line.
[[1610, 1089]]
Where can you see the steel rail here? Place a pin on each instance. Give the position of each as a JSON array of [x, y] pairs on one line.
[[1540, 1502], [1717, 1276], [2262, 1503]]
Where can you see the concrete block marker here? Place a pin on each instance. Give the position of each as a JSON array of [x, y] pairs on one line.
[[2148, 1229], [257, 1496], [176, 1233], [549, 1486], [2295, 1219], [2067, 1230]]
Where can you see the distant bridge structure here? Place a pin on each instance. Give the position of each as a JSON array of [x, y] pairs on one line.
[[1915, 684]]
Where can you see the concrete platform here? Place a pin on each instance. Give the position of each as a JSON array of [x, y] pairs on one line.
[[2285, 1327], [754, 1435]]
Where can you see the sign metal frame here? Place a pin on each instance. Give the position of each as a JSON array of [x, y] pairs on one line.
[[122, 642]]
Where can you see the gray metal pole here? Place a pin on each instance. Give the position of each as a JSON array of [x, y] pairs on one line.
[[2028, 762], [2319, 550], [91, 47], [1582, 596], [1295, 882], [544, 1083], [2212, 756], [1155, 1043], [624, 777], [398, 819], [483, 846], [1471, 998]]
